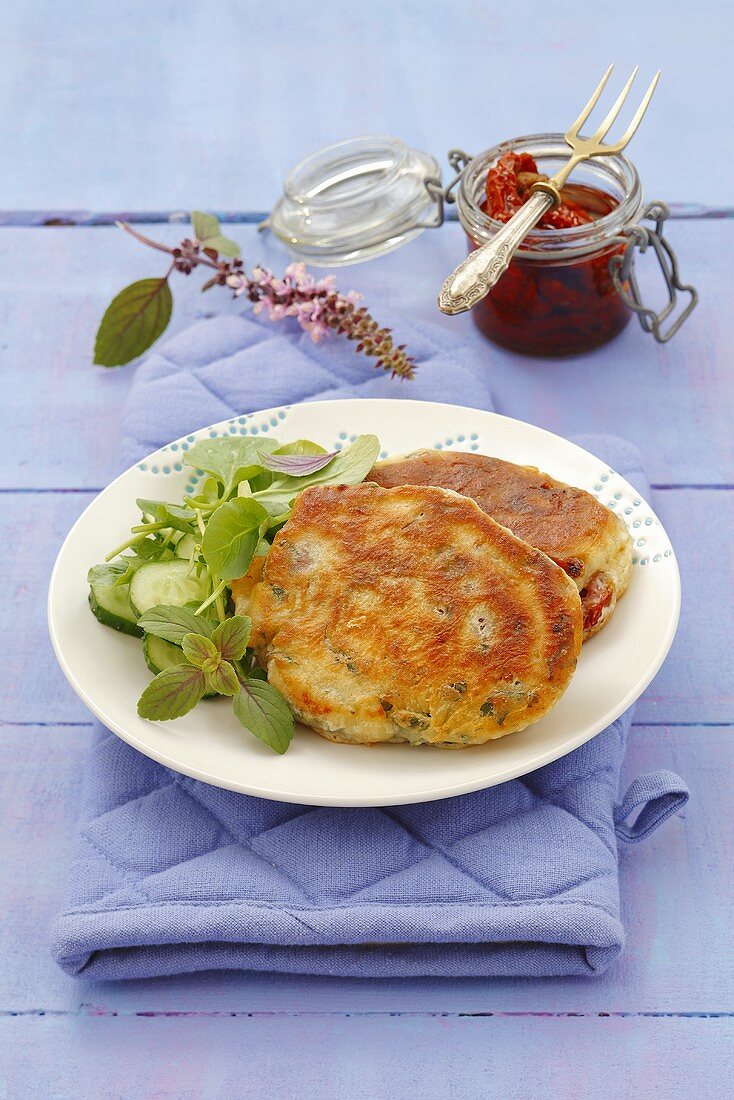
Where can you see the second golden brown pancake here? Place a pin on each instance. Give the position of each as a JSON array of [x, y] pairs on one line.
[[590, 543]]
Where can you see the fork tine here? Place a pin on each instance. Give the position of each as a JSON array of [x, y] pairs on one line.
[[576, 126], [615, 108], [630, 131]]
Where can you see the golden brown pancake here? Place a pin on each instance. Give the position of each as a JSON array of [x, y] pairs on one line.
[[408, 614], [589, 542]]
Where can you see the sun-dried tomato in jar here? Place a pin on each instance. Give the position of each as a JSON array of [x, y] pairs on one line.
[[557, 296]]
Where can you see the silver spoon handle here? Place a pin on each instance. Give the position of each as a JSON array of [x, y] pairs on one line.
[[477, 274]]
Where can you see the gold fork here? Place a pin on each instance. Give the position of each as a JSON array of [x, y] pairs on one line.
[[478, 273]]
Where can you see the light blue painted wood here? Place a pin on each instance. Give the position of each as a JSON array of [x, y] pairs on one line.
[[671, 889], [673, 401], [180, 103], [299, 1058]]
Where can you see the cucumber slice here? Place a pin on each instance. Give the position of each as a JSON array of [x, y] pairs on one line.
[[160, 654], [111, 605], [166, 582], [185, 547]]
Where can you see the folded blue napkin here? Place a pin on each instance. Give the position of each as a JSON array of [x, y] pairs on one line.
[[173, 875]]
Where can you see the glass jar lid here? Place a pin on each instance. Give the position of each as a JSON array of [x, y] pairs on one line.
[[357, 199]]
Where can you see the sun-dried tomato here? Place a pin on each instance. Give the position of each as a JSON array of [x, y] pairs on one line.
[[560, 306]]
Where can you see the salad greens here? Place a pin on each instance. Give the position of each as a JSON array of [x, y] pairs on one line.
[[171, 579]]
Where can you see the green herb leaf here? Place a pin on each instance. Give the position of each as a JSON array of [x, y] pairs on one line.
[[208, 234], [174, 623], [204, 225], [199, 649], [230, 459], [231, 537], [263, 711], [173, 693], [175, 515], [231, 637], [208, 497], [350, 467], [300, 447], [257, 673], [133, 321], [108, 573], [223, 679], [223, 245]]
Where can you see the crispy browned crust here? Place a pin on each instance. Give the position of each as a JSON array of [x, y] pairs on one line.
[[409, 615], [590, 543]]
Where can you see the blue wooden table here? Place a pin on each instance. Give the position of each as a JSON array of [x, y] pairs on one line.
[[159, 107]]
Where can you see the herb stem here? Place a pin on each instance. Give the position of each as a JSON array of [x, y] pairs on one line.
[[211, 598], [144, 240], [146, 527], [126, 545]]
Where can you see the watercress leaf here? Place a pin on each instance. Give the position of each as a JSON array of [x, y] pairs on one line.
[[263, 711], [231, 537], [230, 459], [208, 496], [297, 465], [223, 679], [223, 245], [350, 467], [204, 225], [198, 649], [301, 447], [108, 572], [133, 320], [152, 550], [173, 692], [231, 637], [175, 515], [174, 623]]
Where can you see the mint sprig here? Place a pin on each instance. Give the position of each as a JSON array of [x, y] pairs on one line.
[[213, 665]]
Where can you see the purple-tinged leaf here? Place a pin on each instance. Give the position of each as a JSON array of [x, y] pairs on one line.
[[199, 649], [231, 637], [297, 465], [133, 321], [173, 693], [262, 710], [223, 679]]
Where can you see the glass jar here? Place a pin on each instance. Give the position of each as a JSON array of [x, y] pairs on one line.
[[558, 296]]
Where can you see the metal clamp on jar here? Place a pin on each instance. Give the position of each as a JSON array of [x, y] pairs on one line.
[[566, 290]]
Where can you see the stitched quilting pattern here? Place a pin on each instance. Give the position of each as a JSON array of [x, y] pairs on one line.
[[173, 875]]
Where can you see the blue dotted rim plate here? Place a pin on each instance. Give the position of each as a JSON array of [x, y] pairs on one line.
[[614, 669]]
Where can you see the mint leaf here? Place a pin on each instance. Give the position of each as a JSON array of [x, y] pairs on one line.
[[199, 650], [133, 320], [174, 623], [350, 467], [230, 459], [263, 711], [223, 679], [231, 537], [173, 693], [231, 637]]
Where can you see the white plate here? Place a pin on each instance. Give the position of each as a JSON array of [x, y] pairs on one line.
[[108, 673]]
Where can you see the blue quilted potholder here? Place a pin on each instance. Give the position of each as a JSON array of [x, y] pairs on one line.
[[172, 875]]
